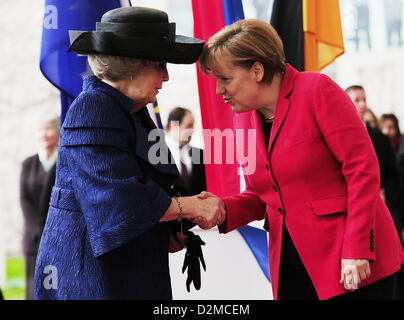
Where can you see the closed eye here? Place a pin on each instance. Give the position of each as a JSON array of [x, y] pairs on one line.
[[220, 77]]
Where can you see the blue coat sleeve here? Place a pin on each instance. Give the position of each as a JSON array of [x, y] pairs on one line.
[[118, 200]]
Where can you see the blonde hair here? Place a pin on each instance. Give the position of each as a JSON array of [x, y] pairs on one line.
[[115, 68], [245, 42], [371, 118]]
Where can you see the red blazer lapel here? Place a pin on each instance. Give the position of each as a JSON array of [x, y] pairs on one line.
[[282, 107], [255, 121]]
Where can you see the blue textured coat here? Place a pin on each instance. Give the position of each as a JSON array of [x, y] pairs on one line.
[[102, 239]]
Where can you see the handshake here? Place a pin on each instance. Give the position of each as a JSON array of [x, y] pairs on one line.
[[205, 209], [208, 210]]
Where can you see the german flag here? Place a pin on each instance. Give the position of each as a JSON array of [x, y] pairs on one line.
[[311, 32]]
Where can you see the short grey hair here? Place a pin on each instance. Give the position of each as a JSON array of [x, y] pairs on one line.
[[49, 118], [115, 68], [56, 122]]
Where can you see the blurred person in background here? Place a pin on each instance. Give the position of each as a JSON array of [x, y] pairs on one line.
[[189, 160], [389, 126], [36, 182], [370, 118], [389, 183]]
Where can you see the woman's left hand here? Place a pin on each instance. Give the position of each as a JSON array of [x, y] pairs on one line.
[[353, 272]]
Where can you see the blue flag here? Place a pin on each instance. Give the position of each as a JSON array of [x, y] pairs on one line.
[[232, 11], [64, 70], [257, 241]]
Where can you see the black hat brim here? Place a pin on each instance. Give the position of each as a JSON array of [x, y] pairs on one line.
[[185, 50]]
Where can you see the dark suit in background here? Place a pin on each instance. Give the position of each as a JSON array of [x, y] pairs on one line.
[[35, 189], [389, 174], [179, 130], [196, 178]]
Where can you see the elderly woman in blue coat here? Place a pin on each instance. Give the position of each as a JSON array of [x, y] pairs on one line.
[[108, 230]]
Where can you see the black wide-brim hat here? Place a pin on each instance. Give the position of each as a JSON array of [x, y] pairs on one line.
[[137, 32]]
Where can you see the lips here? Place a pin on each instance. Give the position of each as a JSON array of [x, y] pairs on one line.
[[226, 100]]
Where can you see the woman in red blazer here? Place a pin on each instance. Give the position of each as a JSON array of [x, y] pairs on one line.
[[316, 180]]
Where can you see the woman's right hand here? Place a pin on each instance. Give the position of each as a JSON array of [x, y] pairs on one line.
[[353, 272], [205, 209], [206, 195]]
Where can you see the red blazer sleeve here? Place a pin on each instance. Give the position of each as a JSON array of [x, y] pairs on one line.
[[242, 209], [347, 138]]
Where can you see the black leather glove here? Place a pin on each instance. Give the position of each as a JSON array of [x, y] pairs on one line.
[[193, 257]]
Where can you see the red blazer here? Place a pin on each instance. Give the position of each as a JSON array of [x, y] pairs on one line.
[[319, 176]]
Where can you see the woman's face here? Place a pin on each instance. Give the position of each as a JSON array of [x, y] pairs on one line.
[[238, 86], [48, 136], [144, 88], [388, 128]]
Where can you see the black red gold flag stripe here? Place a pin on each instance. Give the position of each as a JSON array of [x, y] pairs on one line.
[[310, 30]]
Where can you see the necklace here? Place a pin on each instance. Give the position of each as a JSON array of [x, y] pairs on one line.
[[270, 119]]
